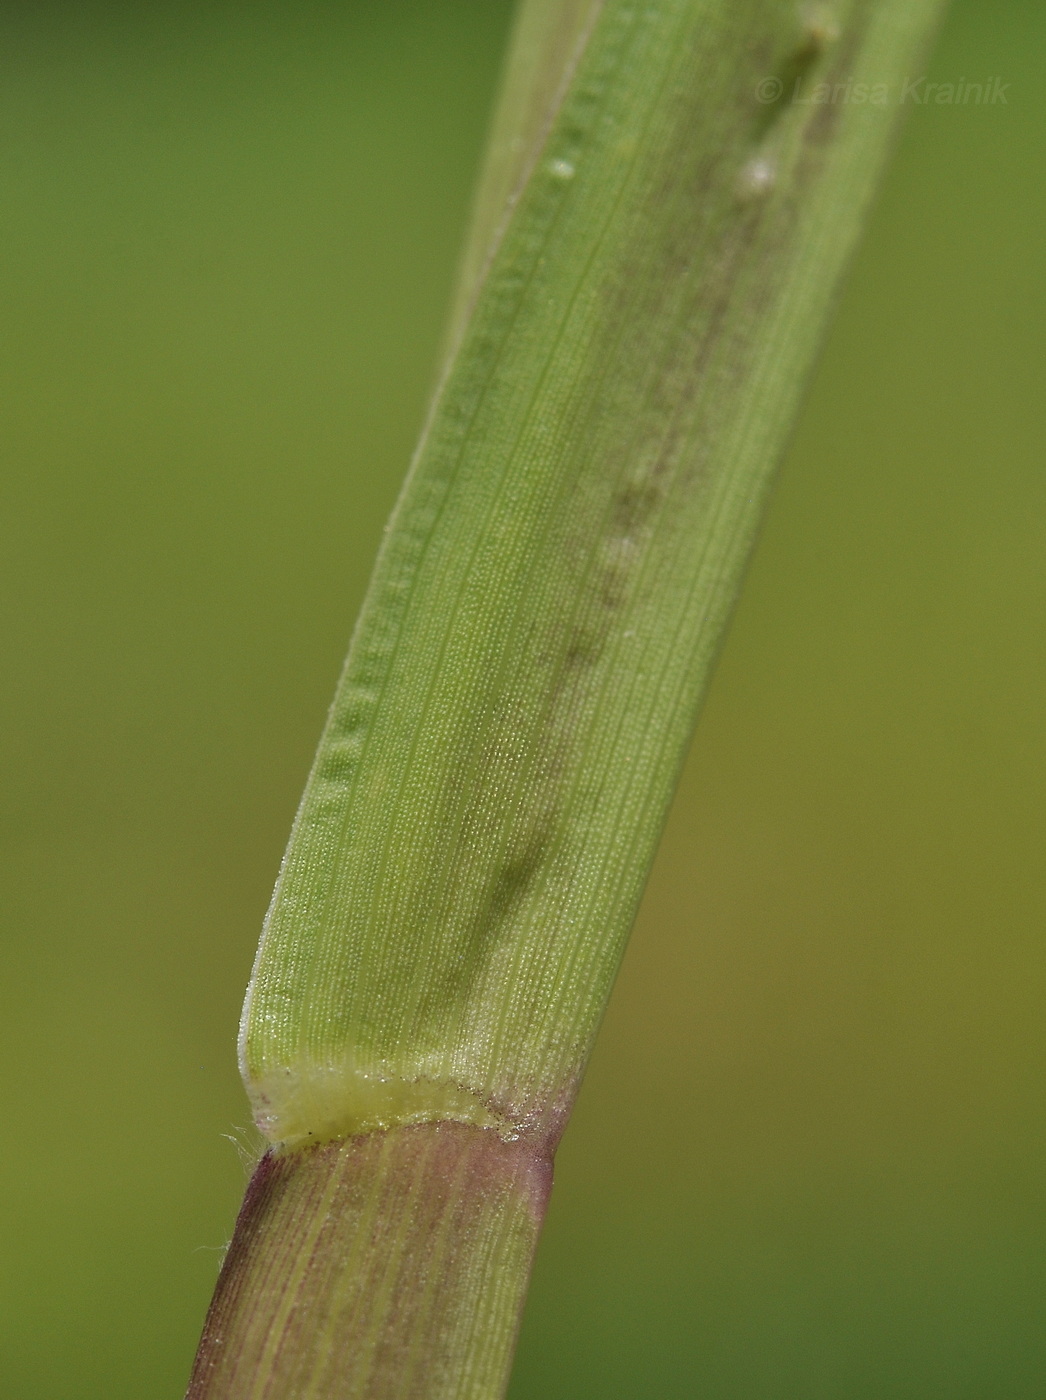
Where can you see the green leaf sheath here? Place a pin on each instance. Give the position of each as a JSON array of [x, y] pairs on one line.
[[551, 590]]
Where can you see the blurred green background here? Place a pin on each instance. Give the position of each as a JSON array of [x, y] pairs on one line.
[[809, 1162]]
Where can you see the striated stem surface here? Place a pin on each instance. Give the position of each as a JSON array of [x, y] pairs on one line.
[[387, 1265]]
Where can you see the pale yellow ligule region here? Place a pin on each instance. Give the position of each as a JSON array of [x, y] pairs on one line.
[[543, 617], [309, 1103]]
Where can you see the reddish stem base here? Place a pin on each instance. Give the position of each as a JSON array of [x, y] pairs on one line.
[[392, 1265]]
